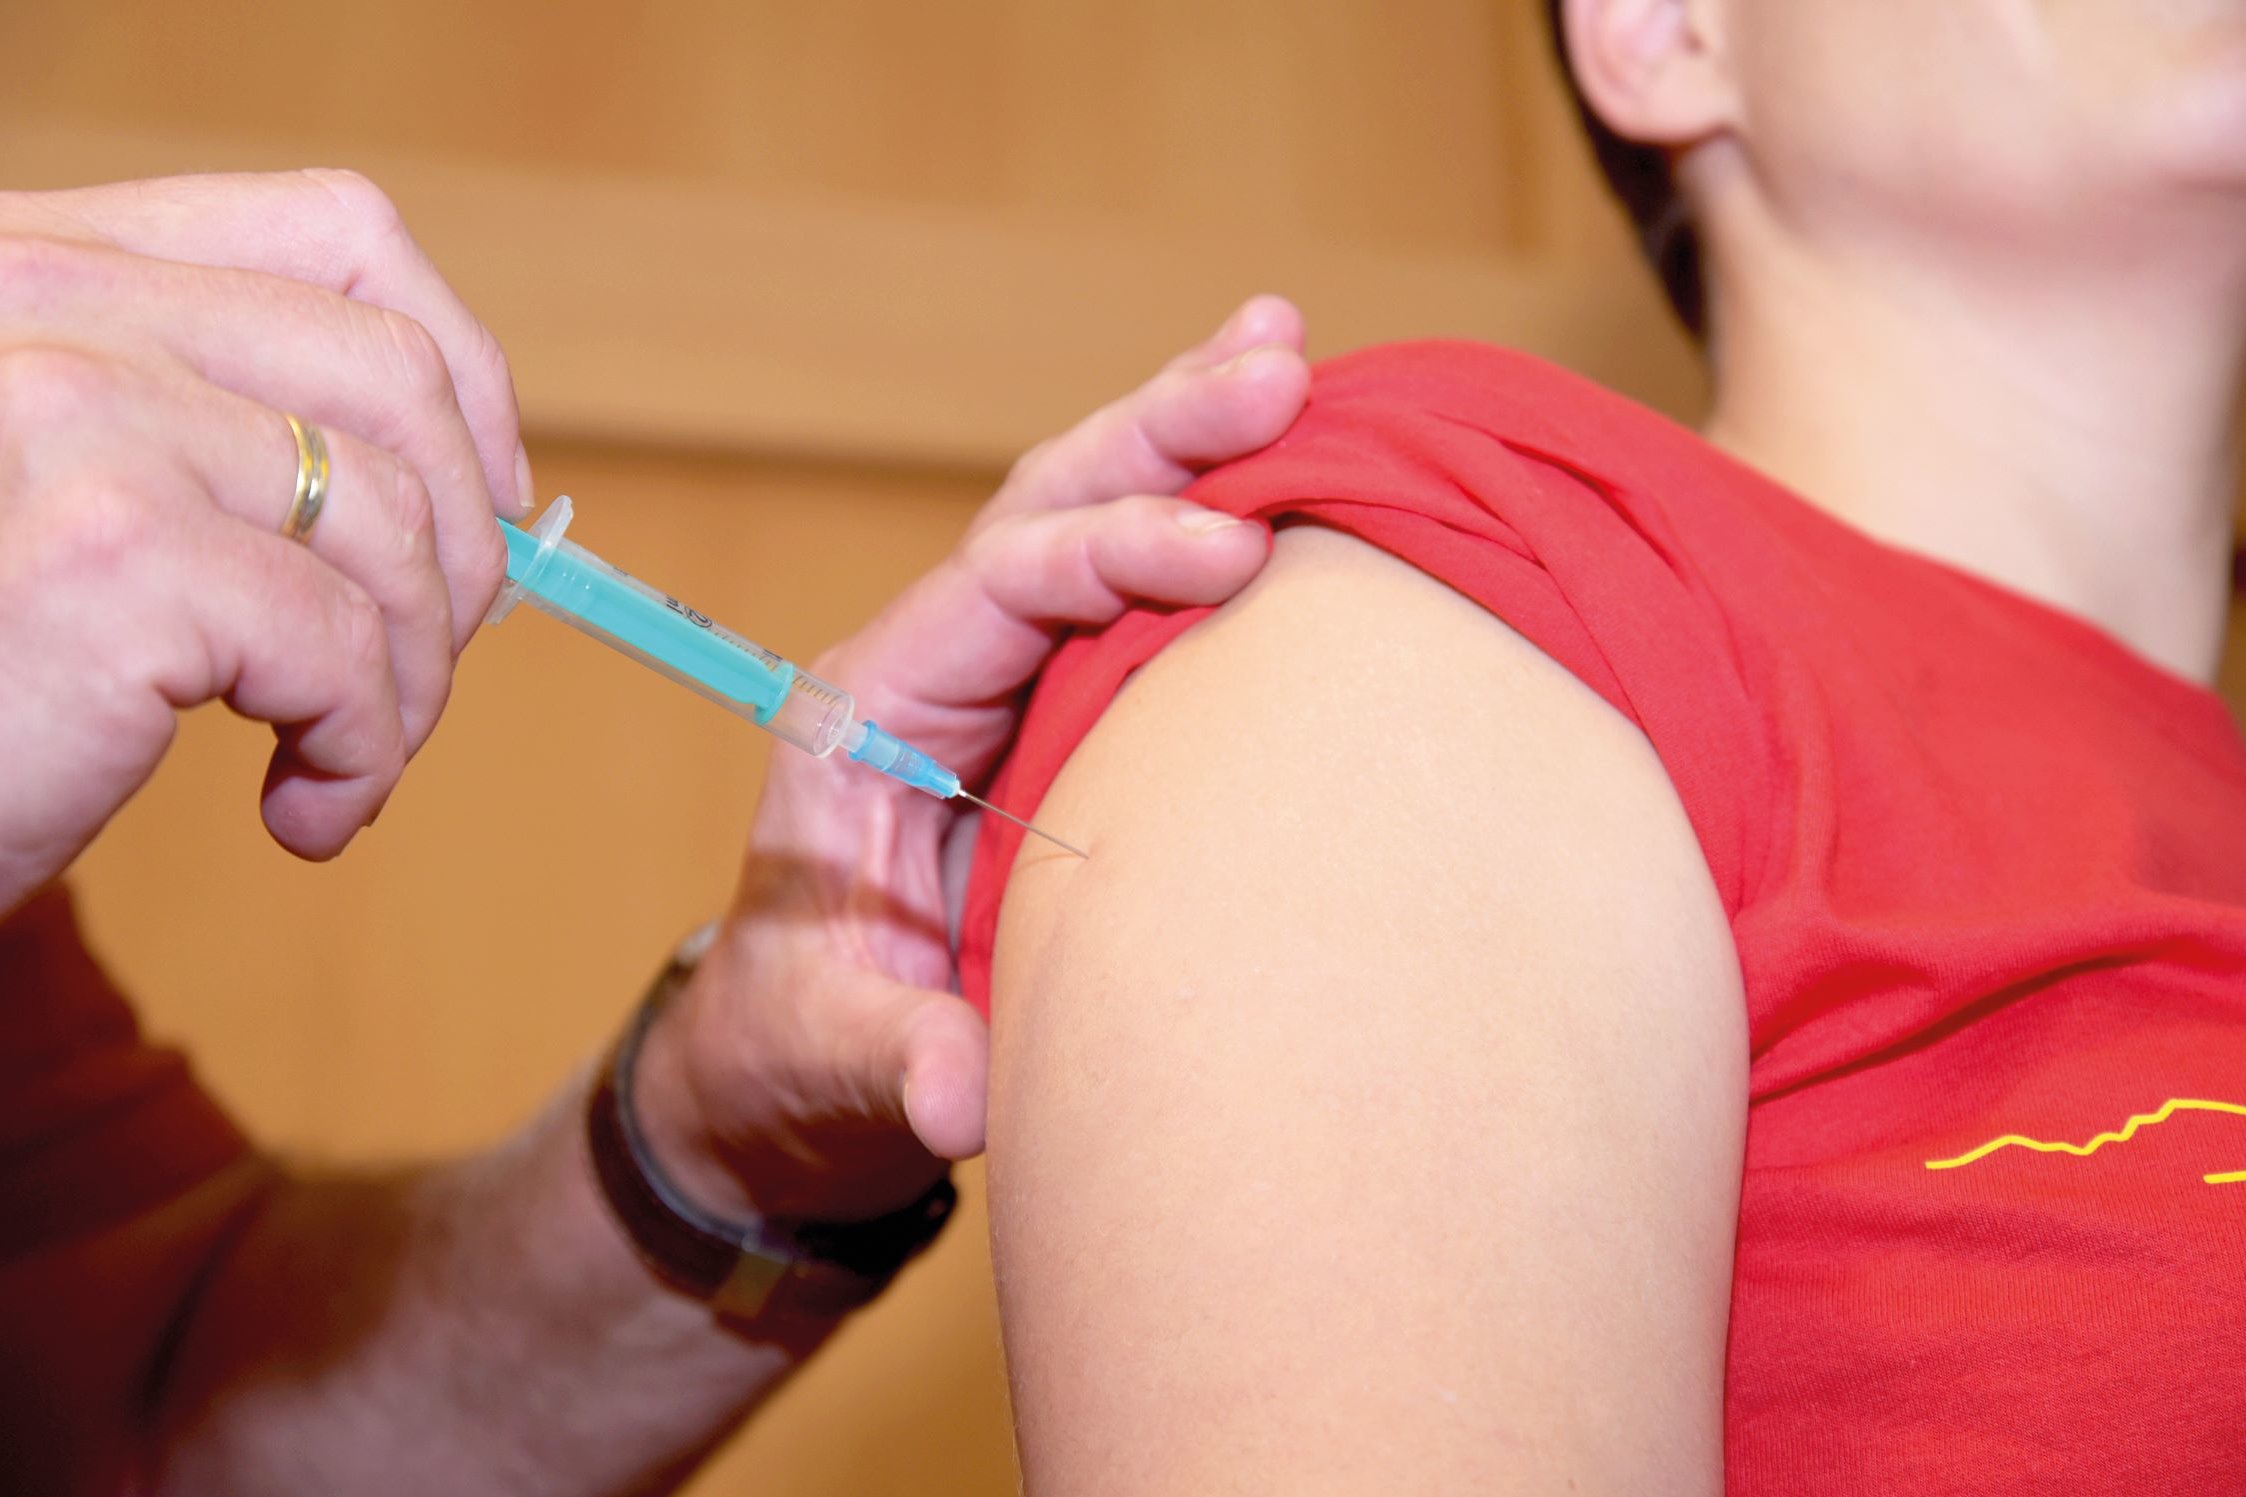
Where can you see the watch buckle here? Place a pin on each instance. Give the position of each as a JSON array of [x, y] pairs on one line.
[[743, 1294]]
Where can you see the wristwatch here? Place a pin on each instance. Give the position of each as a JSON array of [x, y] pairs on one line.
[[745, 1267]]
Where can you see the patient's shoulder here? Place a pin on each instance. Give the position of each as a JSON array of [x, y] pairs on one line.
[[1351, 728], [1394, 969], [1491, 505], [1508, 448]]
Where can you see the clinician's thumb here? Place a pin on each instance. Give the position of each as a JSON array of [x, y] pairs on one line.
[[932, 1068]]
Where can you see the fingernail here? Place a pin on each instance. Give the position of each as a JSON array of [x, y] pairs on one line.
[[1208, 521], [1242, 363], [526, 497]]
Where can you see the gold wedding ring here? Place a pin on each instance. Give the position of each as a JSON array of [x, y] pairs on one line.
[[311, 481]]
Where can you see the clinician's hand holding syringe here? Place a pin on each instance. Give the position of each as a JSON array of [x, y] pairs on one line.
[[563, 579]]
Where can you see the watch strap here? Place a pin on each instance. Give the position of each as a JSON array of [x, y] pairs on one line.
[[748, 1266]]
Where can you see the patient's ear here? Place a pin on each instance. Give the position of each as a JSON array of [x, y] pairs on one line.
[[1656, 71]]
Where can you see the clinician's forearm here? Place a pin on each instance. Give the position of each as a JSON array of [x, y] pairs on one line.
[[478, 1327]]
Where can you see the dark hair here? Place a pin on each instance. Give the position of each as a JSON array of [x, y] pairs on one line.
[[1640, 177]]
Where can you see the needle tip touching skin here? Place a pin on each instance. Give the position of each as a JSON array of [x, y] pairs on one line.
[[1027, 827]]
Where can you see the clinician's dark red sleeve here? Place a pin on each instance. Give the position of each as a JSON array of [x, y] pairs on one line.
[[96, 1124]]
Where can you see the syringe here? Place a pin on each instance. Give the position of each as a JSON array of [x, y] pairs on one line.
[[564, 580]]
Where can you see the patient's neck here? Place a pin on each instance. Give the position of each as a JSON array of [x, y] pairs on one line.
[[2075, 442]]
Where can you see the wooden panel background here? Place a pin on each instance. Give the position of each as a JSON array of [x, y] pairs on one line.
[[777, 278]]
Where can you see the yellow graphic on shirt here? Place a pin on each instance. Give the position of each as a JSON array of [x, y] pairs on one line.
[[2128, 1131]]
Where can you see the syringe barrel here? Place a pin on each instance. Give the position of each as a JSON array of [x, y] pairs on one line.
[[815, 716], [562, 579]]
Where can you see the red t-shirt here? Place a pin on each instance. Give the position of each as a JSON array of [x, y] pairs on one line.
[[1986, 875]]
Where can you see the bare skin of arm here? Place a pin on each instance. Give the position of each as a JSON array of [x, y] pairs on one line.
[[1367, 1113], [479, 1326]]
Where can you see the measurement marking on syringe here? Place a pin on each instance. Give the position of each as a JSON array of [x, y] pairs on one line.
[[694, 616]]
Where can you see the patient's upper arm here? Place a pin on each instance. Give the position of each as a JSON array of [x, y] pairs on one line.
[[1367, 1111]]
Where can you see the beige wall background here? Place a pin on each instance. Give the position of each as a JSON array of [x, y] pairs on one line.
[[777, 279]]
